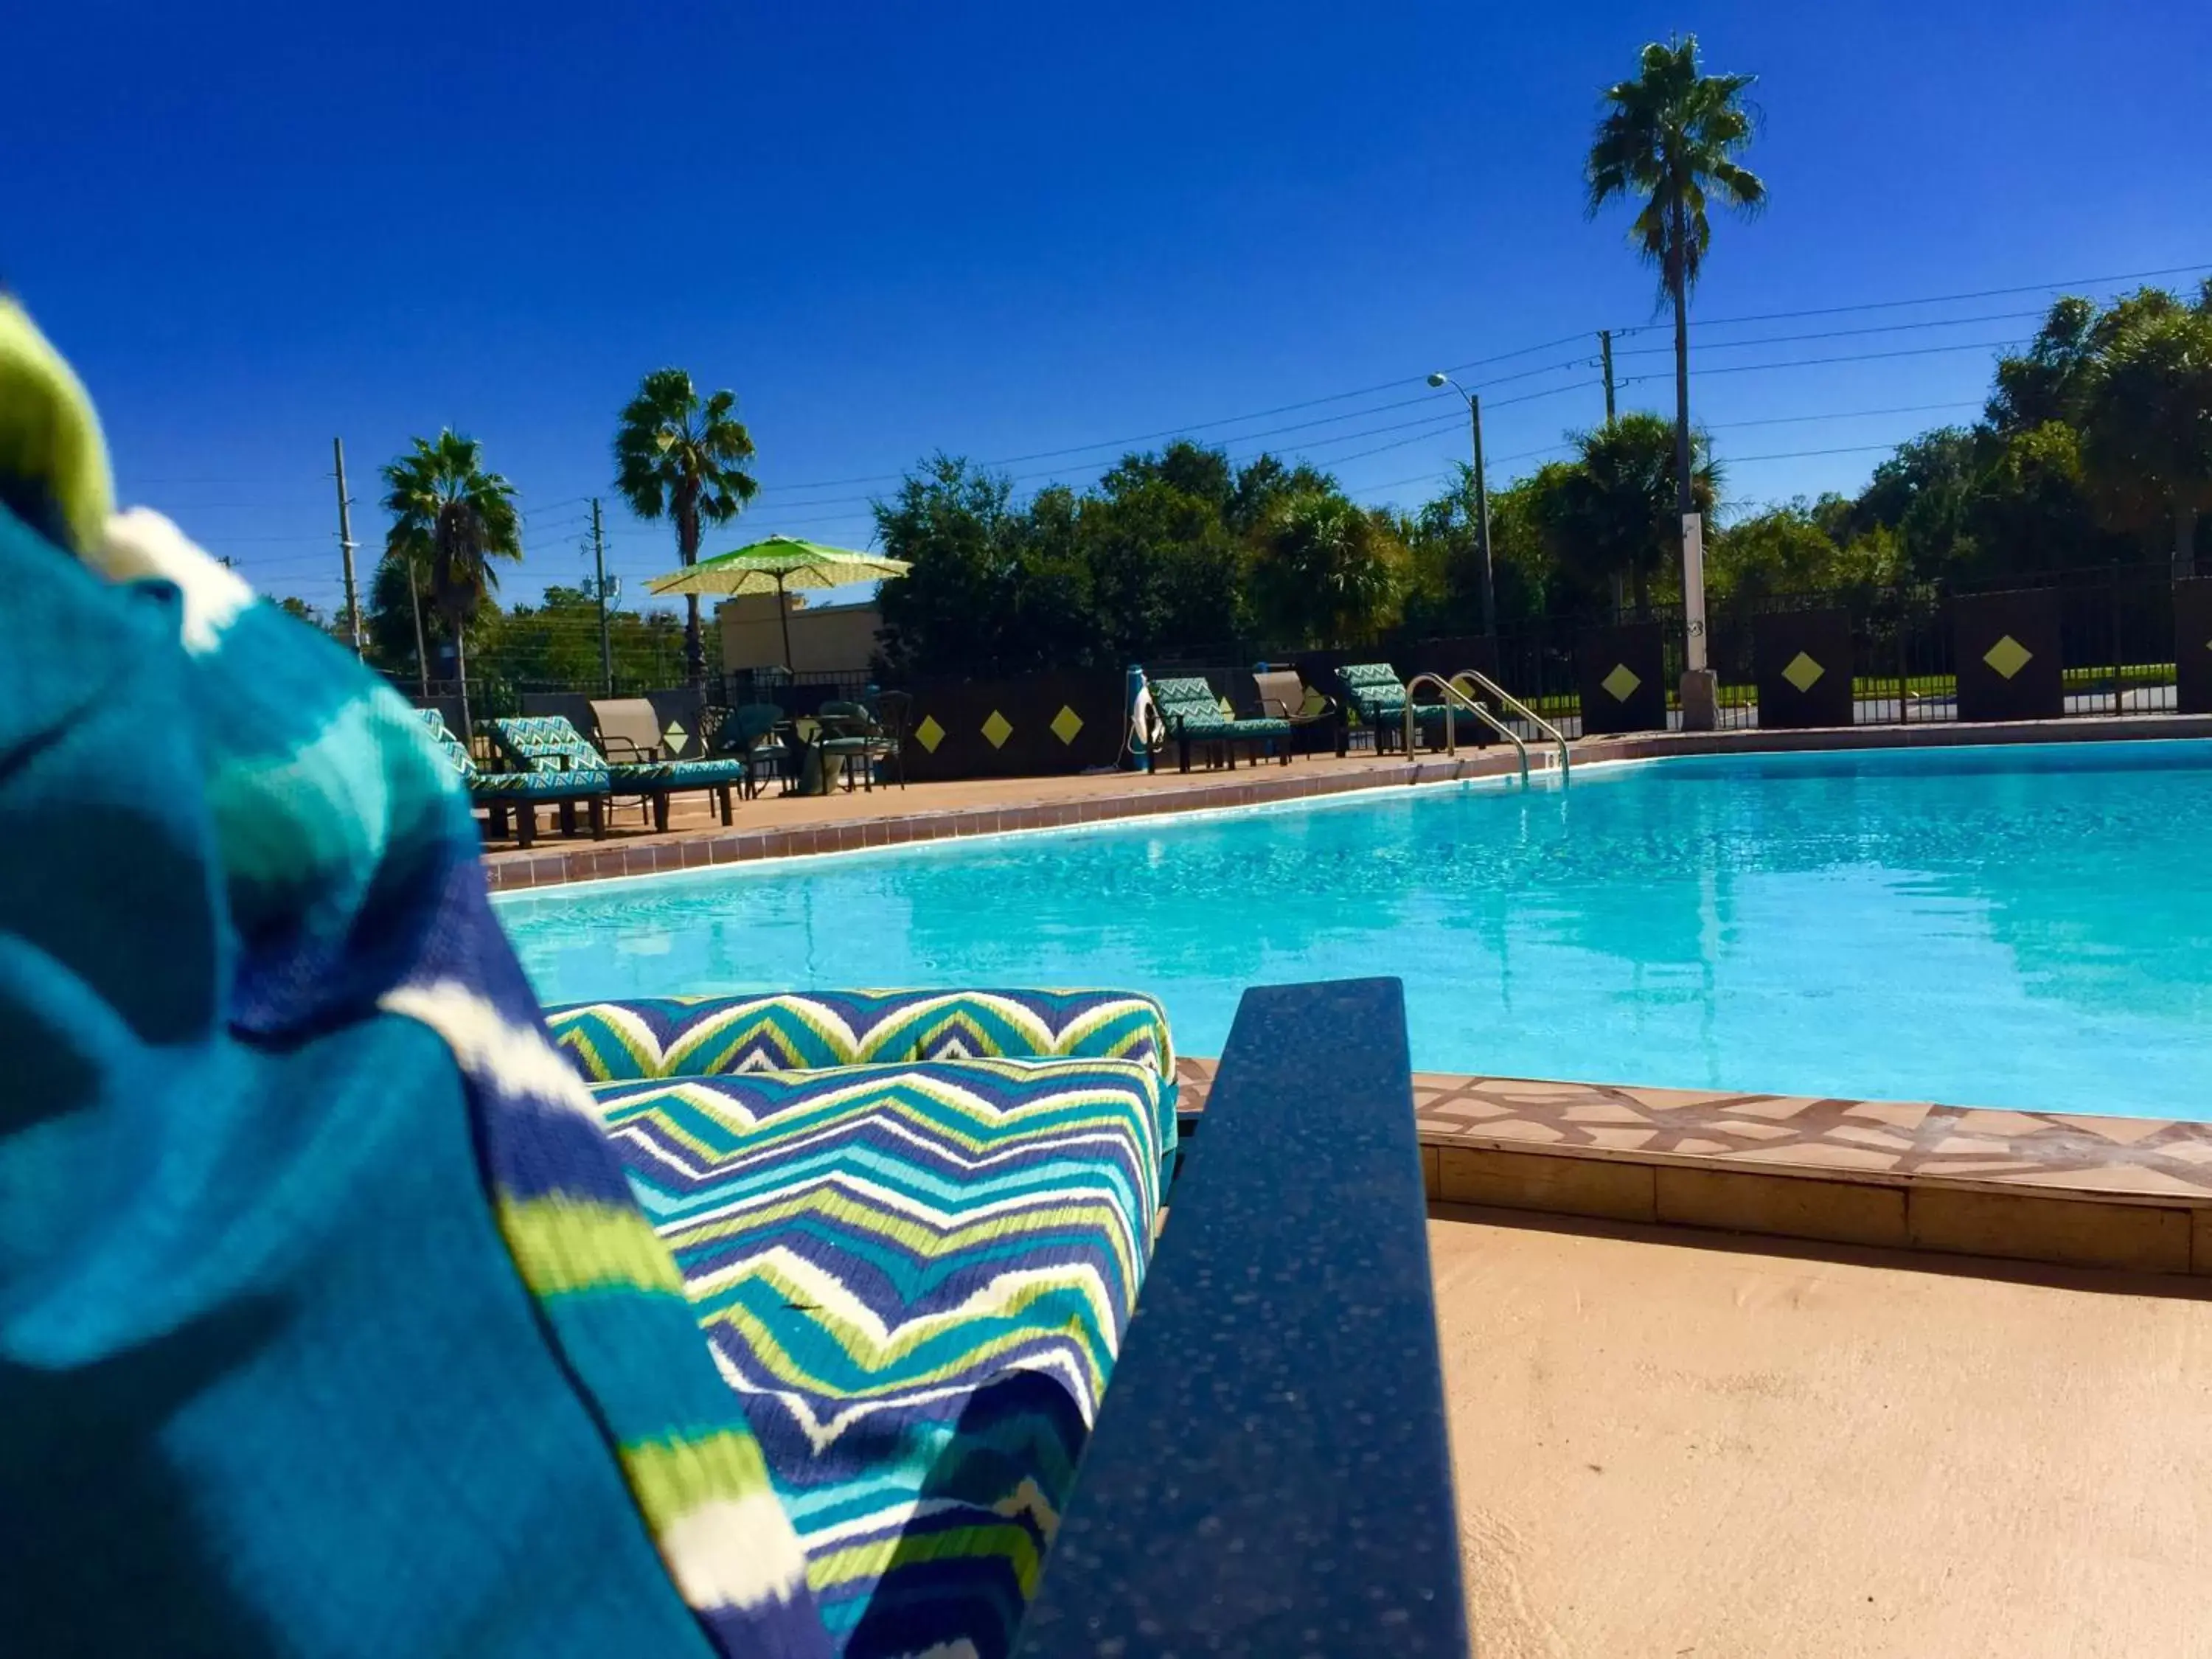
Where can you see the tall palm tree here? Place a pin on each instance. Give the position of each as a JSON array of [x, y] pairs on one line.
[[1668, 140], [682, 457], [450, 518]]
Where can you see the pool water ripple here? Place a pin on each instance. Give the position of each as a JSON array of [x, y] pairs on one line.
[[2025, 926]]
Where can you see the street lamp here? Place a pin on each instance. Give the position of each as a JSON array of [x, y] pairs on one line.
[[1481, 501]]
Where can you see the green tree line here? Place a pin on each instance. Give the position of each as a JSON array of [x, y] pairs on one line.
[[2095, 448]]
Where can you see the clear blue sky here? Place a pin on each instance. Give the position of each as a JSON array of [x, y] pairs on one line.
[[1002, 229]]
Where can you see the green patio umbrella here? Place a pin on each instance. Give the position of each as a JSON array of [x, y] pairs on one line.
[[775, 564]]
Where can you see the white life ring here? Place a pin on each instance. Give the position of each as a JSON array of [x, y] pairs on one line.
[[1147, 731]]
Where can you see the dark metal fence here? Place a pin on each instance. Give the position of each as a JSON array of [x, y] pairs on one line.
[[2115, 632]]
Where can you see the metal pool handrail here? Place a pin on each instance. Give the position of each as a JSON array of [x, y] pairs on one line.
[[1516, 706], [1454, 698]]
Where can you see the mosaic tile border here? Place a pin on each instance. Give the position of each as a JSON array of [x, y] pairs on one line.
[[2078, 1190], [507, 871]]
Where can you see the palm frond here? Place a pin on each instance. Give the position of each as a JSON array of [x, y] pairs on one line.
[[1665, 140]]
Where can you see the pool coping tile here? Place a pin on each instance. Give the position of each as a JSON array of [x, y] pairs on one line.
[[2064, 1189]]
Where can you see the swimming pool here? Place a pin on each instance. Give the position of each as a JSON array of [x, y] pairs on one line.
[[2027, 925]]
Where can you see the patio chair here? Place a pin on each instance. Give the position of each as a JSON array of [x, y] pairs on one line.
[[895, 714], [532, 743], [1194, 715], [521, 792], [631, 735], [851, 734], [752, 734], [1284, 695]]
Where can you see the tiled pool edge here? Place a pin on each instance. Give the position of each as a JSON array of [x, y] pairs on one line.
[[2128, 1194], [509, 872]]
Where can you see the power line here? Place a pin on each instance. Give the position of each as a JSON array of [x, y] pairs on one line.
[[1836, 333], [1846, 415], [1947, 299], [1800, 454], [1184, 431], [1855, 357]]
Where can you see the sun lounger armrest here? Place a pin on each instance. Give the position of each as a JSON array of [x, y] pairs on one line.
[[1270, 1472]]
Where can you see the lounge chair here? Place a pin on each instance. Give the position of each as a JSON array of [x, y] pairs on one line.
[[1194, 715], [913, 1226], [522, 793], [1284, 695], [1379, 696], [534, 743]]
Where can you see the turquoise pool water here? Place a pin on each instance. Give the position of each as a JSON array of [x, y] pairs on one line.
[[2022, 926]]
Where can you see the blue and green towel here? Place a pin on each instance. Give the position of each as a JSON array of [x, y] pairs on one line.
[[327, 1322]]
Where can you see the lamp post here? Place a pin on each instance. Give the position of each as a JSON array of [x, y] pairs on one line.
[[1481, 501]]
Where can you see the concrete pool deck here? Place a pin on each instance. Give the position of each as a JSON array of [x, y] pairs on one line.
[[1666, 1445]]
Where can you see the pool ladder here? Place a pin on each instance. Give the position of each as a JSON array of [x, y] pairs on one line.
[[1456, 699]]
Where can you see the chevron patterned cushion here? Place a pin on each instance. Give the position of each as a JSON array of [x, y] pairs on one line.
[[1376, 689], [1190, 706], [448, 746], [916, 1277], [545, 743], [680, 774], [508, 785], [791, 1030], [796, 1030], [536, 785]]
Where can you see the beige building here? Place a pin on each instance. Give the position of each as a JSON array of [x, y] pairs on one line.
[[825, 638]]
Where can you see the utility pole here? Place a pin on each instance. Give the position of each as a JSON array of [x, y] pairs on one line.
[[1482, 521], [422, 654], [346, 547], [1481, 501], [1605, 351], [600, 588]]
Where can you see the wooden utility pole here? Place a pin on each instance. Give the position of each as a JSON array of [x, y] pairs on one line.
[[1605, 352], [600, 588], [1482, 520], [346, 546]]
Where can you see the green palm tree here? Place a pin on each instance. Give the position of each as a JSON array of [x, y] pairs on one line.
[[1329, 571], [1612, 516], [1669, 142], [450, 518], [2146, 417], [682, 457]]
